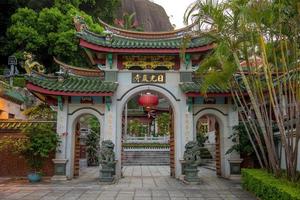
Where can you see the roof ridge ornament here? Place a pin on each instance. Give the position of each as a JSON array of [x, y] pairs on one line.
[[30, 65], [79, 23]]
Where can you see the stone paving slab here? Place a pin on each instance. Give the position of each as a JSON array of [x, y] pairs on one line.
[[140, 183]]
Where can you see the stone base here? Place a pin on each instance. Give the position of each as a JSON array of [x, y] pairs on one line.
[[59, 170], [107, 179], [196, 182], [106, 175], [191, 175], [58, 178]]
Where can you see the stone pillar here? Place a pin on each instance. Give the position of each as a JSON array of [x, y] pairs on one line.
[[185, 133], [110, 130], [61, 160], [233, 160]]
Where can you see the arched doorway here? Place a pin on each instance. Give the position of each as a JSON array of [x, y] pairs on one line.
[[175, 148], [147, 137], [84, 125], [208, 137], [86, 147], [221, 126]]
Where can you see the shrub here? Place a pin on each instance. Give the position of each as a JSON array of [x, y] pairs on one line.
[[35, 146], [267, 187]]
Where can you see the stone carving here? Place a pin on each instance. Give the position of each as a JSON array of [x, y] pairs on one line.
[[192, 159], [107, 161], [30, 65]]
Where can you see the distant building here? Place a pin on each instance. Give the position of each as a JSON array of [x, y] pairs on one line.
[[11, 103]]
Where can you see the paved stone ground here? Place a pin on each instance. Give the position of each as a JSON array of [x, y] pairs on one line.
[[139, 183]]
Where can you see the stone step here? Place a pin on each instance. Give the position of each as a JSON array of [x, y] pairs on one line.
[[146, 158], [209, 164]]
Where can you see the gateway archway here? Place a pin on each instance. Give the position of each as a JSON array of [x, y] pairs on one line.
[[175, 140], [126, 64], [148, 136], [222, 131]]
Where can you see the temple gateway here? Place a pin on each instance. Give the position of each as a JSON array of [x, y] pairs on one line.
[[128, 64]]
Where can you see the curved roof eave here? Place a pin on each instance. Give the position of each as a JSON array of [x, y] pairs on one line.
[[149, 35], [99, 48]]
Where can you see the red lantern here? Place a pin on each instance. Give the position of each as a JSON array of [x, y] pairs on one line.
[[148, 100]]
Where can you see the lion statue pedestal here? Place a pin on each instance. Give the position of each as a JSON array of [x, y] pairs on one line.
[[107, 162], [192, 159]]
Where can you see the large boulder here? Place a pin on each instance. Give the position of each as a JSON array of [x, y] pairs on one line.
[[150, 16]]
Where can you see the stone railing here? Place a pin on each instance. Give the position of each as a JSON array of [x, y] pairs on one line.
[[147, 139]]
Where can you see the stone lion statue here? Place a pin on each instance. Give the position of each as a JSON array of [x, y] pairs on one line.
[[107, 155], [192, 154], [30, 65]]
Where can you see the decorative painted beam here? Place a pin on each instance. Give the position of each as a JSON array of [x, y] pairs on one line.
[[108, 102]]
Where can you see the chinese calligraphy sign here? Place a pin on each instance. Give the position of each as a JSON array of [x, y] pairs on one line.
[[148, 78]]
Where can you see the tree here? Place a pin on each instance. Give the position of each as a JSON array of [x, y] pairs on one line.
[[93, 142], [40, 112], [35, 146], [50, 29], [257, 55], [163, 122], [102, 9]]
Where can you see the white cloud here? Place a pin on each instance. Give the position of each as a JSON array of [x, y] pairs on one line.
[[175, 10]]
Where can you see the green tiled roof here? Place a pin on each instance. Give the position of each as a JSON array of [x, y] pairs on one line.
[[17, 125], [195, 86], [11, 93], [126, 42], [74, 84]]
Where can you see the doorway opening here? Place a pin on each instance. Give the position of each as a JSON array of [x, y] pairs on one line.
[[86, 148], [148, 136], [208, 137]]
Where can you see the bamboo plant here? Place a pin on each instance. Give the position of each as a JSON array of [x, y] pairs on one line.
[[257, 54]]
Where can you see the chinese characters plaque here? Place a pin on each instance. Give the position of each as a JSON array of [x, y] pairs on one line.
[[148, 78]]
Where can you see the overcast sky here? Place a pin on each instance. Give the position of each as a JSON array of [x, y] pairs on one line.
[[175, 10]]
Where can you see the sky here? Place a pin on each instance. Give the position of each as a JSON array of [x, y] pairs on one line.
[[175, 10]]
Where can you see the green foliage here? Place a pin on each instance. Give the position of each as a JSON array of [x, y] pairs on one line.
[[240, 140], [92, 142], [267, 187], [102, 9], [163, 122], [36, 145], [48, 33], [40, 112], [201, 137], [136, 127]]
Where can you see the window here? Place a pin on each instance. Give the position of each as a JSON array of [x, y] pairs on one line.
[[11, 116]]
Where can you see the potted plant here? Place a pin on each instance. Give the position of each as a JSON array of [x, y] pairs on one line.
[[36, 145]]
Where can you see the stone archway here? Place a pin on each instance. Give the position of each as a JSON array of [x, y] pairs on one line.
[[72, 137], [223, 129], [175, 104]]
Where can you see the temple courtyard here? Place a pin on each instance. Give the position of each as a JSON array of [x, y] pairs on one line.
[[139, 182]]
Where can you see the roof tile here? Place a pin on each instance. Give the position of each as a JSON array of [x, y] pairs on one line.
[[74, 84]]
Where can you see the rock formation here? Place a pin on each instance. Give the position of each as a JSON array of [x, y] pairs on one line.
[[150, 16]]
